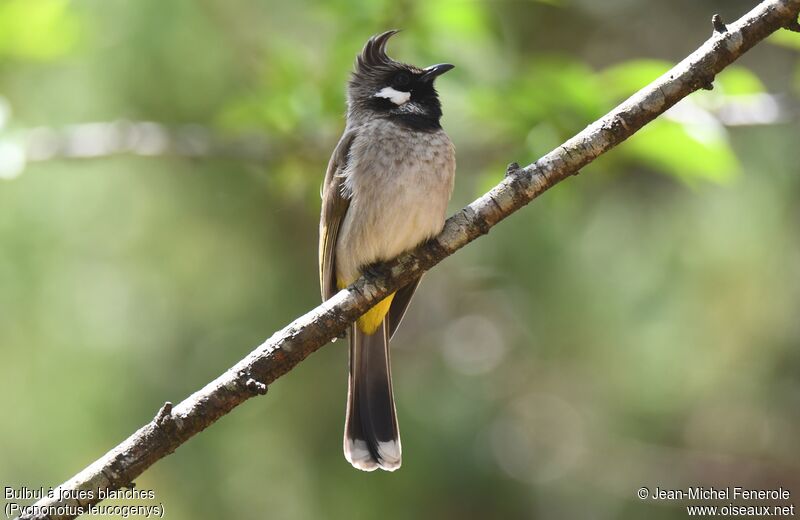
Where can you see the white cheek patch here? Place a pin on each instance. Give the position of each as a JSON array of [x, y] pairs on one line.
[[395, 96]]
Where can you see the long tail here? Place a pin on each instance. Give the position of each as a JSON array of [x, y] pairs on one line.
[[371, 436]]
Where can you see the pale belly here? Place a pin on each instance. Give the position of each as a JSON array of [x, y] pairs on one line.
[[400, 183]]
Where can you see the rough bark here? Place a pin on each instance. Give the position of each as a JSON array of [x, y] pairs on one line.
[[173, 426]]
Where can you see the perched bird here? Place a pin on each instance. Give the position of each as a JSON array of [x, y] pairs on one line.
[[385, 191]]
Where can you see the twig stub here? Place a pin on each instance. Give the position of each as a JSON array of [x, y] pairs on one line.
[[512, 168], [719, 25], [164, 414]]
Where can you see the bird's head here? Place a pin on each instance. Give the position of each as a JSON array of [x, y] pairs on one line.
[[384, 87]]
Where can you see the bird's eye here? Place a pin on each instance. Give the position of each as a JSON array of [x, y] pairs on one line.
[[401, 79]]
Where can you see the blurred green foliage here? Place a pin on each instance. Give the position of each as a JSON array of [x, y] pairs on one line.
[[40, 30], [636, 326]]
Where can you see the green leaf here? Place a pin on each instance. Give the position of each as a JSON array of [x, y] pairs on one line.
[[622, 80], [787, 39], [668, 146], [465, 18], [735, 81], [40, 29], [558, 90]]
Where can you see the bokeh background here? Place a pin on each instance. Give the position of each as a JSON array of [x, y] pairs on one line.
[[635, 326]]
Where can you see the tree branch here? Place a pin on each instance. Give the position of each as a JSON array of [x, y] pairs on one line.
[[286, 348]]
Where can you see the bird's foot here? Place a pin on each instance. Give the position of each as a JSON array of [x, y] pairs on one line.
[[374, 270]]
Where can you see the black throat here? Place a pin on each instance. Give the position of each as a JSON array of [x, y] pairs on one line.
[[419, 122]]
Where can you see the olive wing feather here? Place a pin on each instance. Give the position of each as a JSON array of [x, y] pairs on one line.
[[334, 208]]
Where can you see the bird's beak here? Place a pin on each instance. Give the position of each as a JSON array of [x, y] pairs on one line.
[[434, 71]]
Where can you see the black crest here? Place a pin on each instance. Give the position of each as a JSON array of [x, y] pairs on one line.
[[373, 57], [375, 70]]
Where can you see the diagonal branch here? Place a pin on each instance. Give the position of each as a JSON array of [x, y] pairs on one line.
[[286, 348]]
